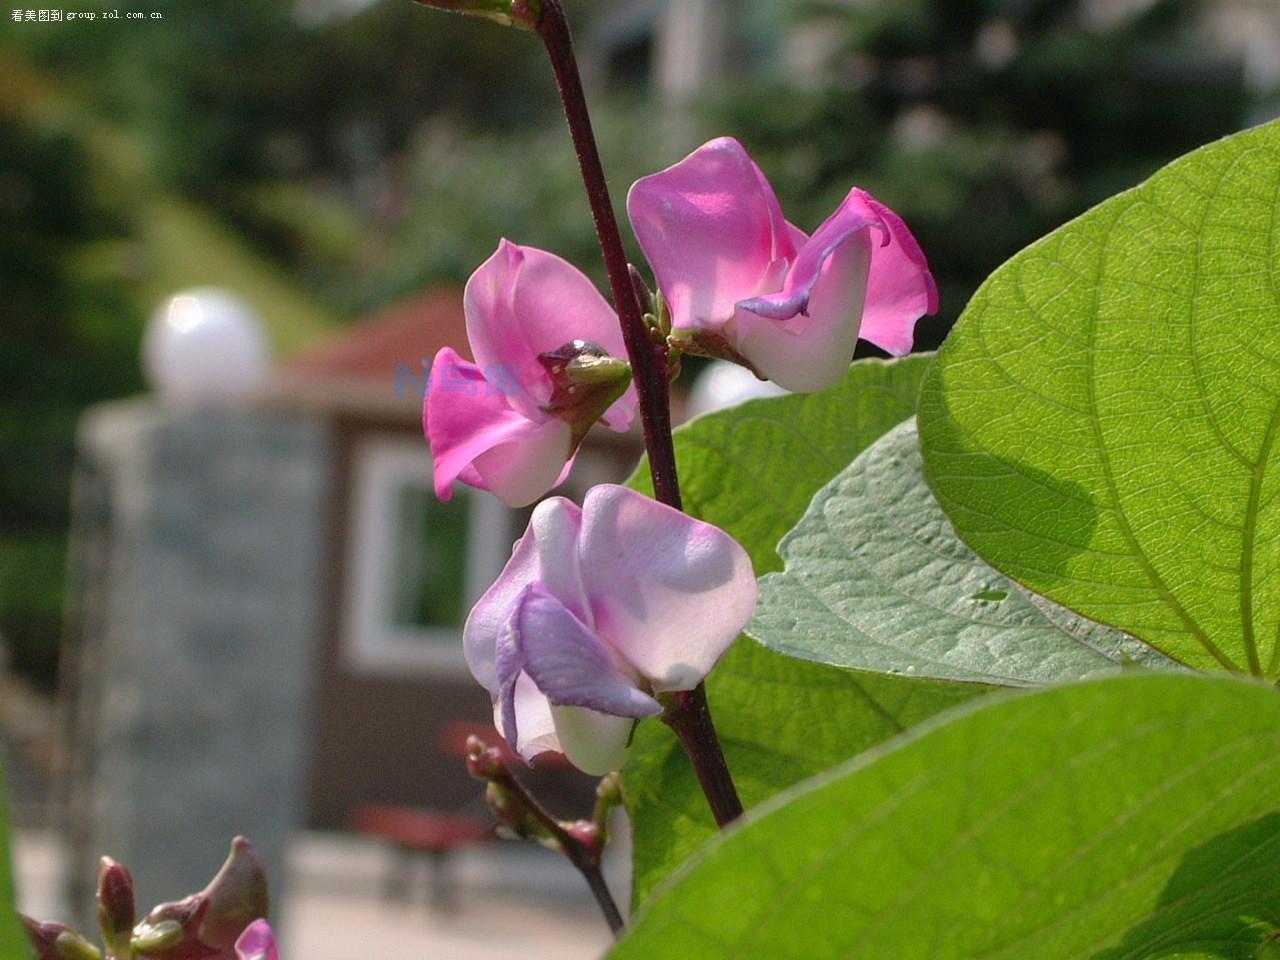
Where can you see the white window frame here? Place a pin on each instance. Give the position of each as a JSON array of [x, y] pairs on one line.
[[372, 643]]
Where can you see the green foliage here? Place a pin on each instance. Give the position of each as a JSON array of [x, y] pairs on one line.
[[1101, 425], [532, 192], [984, 123], [876, 579], [32, 576], [751, 471], [68, 339], [13, 938], [1126, 818]]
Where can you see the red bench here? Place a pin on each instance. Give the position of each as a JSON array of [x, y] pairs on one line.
[[415, 831]]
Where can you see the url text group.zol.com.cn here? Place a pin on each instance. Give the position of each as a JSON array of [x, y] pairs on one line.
[[54, 16]]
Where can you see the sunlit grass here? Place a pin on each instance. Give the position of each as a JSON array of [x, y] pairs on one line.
[[186, 246]]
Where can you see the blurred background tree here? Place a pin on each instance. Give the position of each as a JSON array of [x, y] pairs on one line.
[[987, 123], [327, 157]]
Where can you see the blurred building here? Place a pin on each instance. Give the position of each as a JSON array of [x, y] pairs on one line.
[[267, 611], [402, 568]]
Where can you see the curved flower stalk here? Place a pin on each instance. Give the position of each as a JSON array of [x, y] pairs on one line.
[[744, 284], [544, 343], [600, 611]]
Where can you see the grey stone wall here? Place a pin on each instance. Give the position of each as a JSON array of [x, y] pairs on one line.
[[200, 534]]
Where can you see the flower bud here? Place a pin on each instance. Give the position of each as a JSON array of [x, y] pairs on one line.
[[116, 911], [643, 294], [57, 941], [206, 925], [589, 834], [514, 813], [585, 381], [237, 896], [151, 938], [483, 761], [609, 789], [524, 14]]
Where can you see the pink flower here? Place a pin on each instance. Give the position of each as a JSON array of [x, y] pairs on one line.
[[744, 284], [258, 942], [542, 337], [600, 610]]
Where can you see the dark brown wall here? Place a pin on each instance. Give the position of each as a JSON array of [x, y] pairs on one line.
[[378, 740]]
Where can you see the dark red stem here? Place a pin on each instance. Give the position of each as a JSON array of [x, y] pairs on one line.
[[648, 360], [689, 715], [586, 857]]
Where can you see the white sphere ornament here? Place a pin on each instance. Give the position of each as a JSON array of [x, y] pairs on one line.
[[206, 345]]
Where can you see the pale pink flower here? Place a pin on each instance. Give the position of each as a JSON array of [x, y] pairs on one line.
[[600, 610], [743, 283]]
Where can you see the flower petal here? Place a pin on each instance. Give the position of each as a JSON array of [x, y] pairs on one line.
[[546, 554], [595, 743], [668, 593], [901, 289], [257, 943], [523, 302], [522, 712], [535, 727], [810, 263], [806, 354], [509, 663], [528, 464], [470, 424], [711, 228], [571, 665]]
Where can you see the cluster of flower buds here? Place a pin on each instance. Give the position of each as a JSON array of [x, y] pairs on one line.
[[224, 921], [521, 817]]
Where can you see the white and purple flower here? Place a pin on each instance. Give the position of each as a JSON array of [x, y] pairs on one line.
[[599, 611]]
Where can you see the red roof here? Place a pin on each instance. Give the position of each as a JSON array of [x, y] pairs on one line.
[[378, 366], [407, 333]]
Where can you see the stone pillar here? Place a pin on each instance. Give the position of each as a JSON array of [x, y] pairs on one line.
[[692, 48], [690, 59], [195, 614]]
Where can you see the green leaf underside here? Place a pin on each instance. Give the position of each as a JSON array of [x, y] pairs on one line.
[[1132, 817], [1101, 424], [876, 579], [752, 471]]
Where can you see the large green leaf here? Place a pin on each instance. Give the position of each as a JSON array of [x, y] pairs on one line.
[[876, 579], [1101, 424], [1133, 817], [752, 471]]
